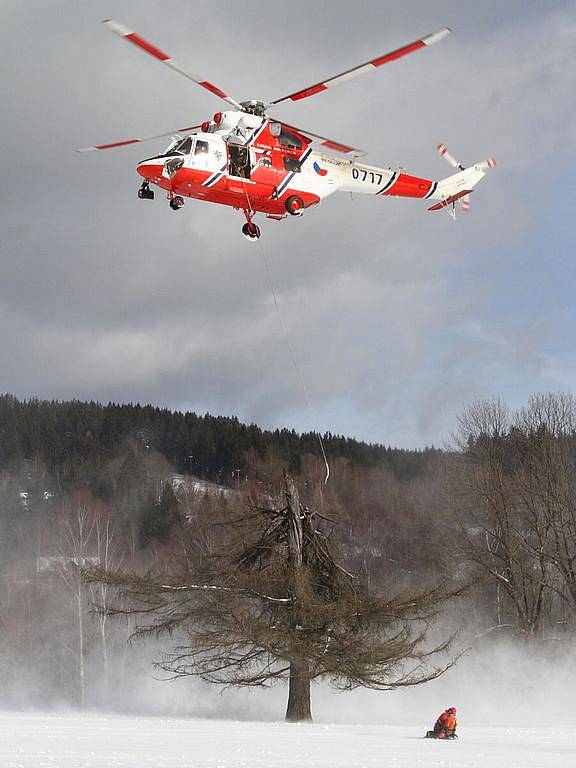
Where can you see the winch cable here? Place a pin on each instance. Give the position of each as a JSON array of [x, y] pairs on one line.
[[299, 375]]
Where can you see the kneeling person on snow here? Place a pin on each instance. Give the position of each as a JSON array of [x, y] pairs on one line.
[[445, 727]]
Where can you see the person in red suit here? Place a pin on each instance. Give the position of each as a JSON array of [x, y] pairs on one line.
[[445, 727]]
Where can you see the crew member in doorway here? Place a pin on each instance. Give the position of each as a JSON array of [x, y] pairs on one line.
[[239, 162]]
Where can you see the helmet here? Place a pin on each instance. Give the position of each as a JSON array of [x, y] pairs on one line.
[[451, 710]]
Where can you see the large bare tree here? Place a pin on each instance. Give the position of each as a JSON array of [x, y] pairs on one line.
[[515, 492], [272, 603], [547, 433]]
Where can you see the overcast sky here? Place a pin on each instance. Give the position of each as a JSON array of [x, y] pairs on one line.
[[397, 317]]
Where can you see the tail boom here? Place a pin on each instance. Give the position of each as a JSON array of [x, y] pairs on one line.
[[367, 179]]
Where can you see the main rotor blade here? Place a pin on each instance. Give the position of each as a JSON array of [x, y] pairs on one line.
[[335, 146], [369, 66], [122, 31], [125, 142]]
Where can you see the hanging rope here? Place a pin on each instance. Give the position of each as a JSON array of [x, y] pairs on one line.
[[299, 375]]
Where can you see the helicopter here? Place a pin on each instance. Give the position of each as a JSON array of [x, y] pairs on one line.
[[244, 158]]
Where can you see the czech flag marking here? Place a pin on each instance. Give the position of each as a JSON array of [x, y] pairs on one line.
[[320, 171]]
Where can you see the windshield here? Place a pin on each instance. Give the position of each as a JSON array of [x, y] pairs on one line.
[[184, 146], [288, 139]]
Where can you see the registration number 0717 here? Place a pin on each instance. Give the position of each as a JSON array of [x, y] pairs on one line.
[[372, 176]]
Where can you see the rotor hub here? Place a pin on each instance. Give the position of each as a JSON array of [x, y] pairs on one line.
[[254, 107]]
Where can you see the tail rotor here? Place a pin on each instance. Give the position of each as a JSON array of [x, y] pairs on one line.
[[451, 160], [485, 164]]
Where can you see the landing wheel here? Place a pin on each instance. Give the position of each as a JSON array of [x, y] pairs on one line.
[[294, 205], [176, 202], [145, 193], [251, 231]]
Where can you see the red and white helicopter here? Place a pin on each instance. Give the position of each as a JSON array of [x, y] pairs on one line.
[[245, 159]]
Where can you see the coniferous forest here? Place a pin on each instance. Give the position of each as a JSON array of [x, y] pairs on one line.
[[76, 437]]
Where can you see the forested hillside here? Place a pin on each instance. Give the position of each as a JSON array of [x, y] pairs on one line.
[[134, 488], [124, 485], [76, 437]]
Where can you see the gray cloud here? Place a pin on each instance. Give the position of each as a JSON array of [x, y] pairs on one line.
[[395, 315]]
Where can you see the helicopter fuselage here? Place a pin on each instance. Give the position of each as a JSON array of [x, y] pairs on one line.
[[250, 162]]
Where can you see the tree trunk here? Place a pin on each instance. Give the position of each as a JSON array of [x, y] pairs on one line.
[[294, 528], [298, 708], [299, 686], [80, 608], [104, 638]]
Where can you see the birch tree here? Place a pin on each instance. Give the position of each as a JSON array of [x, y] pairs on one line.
[[75, 558]]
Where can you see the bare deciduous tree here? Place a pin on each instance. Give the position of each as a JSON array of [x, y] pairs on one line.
[[274, 604], [515, 493], [75, 558]]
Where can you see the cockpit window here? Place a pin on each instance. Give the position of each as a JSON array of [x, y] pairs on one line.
[[201, 148], [184, 146], [288, 139]]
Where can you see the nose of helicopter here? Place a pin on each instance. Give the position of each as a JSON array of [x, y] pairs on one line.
[[151, 169]]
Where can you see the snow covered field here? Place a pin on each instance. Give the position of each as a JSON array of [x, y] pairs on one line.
[[70, 741]]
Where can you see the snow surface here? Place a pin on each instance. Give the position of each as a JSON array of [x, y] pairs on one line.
[[71, 741]]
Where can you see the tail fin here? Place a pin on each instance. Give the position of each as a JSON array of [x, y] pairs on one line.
[[466, 179]]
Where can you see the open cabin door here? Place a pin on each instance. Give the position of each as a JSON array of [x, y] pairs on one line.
[[239, 161], [250, 171]]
